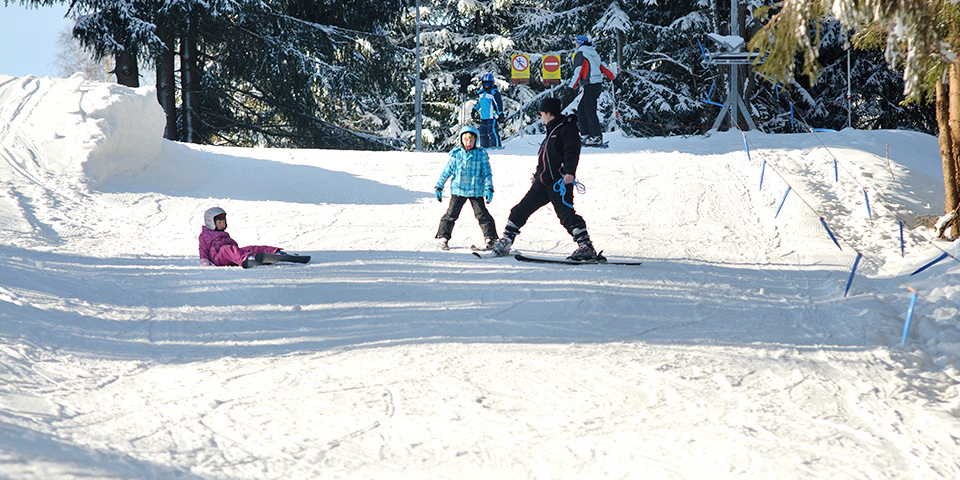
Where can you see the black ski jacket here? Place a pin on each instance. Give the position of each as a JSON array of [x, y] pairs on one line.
[[560, 151]]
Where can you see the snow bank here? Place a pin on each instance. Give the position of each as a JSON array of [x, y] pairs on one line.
[[89, 131]]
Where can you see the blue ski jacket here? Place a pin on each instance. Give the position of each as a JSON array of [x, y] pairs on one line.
[[489, 103], [470, 170]]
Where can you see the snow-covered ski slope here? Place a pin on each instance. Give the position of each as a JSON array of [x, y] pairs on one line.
[[731, 353]]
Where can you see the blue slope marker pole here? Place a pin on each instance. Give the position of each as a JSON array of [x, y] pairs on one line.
[[763, 168], [836, 174], [906, 325], [867, 198], [783, 200], [852, 272], [835, 242], [941, 257], [902, 248], [746, 146]]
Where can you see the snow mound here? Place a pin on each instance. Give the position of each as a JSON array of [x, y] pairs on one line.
[[87, 131]]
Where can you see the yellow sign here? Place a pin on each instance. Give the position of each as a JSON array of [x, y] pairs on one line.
[[550, 69], [520, 68]]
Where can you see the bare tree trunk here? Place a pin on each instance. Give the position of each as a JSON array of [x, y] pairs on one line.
[[166, 82], [126, 70], [189, 87], [949, 158]]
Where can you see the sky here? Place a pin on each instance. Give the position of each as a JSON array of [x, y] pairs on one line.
[[41, 26], [734, 352]]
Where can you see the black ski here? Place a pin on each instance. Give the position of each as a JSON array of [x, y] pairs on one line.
[[271, 258], [490, 254], [597, 145], [601, 260]]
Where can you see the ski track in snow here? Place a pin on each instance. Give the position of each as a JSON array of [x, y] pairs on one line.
[[731, 353]]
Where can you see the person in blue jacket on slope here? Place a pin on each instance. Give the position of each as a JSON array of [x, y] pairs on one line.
[[469, 168], [488, 111]]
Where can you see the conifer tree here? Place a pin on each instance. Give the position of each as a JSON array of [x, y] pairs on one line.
[[919, 35], [459, 41]]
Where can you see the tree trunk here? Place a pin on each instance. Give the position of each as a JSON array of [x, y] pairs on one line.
[[620, 66], [126, 69], [166, 82], [949, 159], [189, 87]]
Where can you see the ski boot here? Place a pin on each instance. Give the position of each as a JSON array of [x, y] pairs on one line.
[[592, 141], [502, 247]]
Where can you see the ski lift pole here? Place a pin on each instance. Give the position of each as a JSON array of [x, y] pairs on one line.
[[616, 106], [418, 122]]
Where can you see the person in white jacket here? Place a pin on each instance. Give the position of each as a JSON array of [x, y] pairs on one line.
[[588, 72]]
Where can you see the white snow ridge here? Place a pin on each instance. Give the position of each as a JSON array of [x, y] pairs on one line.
[[732, 351]]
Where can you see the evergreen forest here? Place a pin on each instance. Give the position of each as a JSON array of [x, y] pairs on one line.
[[343, 73]]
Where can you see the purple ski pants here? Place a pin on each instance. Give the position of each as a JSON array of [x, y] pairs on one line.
[[229, 255]]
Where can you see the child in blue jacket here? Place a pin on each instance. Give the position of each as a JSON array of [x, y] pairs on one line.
[[488, 111], [469, 166]]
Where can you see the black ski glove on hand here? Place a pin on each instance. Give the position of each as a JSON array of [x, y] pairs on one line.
[[439, 194]]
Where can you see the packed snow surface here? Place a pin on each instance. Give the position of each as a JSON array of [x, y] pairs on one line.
[[732, 352]]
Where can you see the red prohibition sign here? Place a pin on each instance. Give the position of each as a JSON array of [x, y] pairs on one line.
[[551, 63], [520, 63]]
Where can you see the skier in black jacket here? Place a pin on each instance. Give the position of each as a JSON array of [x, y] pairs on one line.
[[553, 183]]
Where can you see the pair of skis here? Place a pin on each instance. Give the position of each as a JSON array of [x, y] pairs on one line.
[[473, 248], [599, 260], [271, 258]]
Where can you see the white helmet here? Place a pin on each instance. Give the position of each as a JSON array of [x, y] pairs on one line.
[[210, 214]]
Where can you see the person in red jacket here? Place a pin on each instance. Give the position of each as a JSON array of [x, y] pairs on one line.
[[588, 72], [216, 246], [553, 183]]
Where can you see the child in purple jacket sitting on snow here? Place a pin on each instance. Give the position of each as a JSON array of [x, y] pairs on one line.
[[216, 246]]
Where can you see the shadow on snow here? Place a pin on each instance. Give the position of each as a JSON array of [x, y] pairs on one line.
[[160, 309]]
